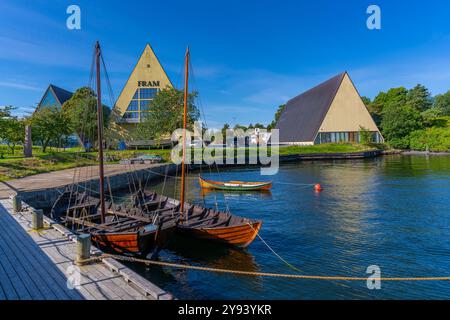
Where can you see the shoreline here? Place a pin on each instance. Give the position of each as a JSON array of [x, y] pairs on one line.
[[425, 153]]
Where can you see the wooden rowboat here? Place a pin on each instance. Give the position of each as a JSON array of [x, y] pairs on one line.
[[234, 185], [218, 226], [203, 223]]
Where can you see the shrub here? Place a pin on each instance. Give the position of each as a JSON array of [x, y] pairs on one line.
[[432, 139], [365, 136], [399, 143]]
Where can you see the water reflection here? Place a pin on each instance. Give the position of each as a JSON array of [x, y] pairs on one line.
[[391, 211], [212, 254], [239, 195]]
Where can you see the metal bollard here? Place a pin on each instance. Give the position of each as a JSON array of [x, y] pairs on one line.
[[37, 219], [83, 248], [16, 203]]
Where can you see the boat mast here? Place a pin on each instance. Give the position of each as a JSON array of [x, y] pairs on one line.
[[100, 133], [183, 169]]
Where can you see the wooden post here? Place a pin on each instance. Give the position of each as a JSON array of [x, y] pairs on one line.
[[37, 219], [28, 145], [16, 203], [83, 248]]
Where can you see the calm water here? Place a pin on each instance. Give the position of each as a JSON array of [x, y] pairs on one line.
[[391, 211]]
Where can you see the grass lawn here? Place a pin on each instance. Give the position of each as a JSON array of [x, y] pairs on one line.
[[326, 148], [16, 166]]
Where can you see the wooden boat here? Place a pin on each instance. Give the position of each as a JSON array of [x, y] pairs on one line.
[[209, 224], [219, 226], [129, 230], [135, 229], [234, 185]]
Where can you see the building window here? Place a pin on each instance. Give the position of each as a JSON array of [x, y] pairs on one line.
[[49, 100], [131, 115], [144, 105], [348, 136], [140, 103], [133, 106], [148, 93]]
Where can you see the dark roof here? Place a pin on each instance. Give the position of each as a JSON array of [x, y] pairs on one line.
[[61, 94], [303, 115]]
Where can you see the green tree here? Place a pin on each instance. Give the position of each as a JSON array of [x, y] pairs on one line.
[[419, 98], [81, 110], [13, 132], [393, 97], [48, 125], [366, 100], [5, 112], [442, 103], [278, 113], [237, 126], [365, 136], [166, 114], [398, 122], [226, 127]]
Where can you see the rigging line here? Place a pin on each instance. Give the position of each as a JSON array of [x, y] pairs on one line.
[[227, 207], [273, 251], [202, 112], [106, 195], [108, 82]]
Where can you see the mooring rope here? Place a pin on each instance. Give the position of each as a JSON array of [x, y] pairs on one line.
[[260, 274]]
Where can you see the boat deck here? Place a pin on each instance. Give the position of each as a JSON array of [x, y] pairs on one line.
[[36, 265]]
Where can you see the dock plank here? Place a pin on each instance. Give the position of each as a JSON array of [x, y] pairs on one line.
[[37, 263], [6, 284], [43, 265], [33, 265], [37, 287]]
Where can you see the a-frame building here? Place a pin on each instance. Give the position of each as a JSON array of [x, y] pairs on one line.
[[333, 111], [146, 79], [54, 97]]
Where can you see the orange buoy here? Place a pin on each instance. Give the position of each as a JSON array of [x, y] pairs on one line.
[[318, 187]]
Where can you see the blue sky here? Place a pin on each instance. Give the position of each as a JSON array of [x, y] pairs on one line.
[[248, 56]]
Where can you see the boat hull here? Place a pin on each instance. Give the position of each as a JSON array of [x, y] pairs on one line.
[[235, 185], [239, 235], [136, 243]]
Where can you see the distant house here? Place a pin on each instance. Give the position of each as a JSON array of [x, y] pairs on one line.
[[333, 111], [54, 96]]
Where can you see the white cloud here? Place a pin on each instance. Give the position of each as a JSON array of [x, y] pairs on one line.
[[16, 85]]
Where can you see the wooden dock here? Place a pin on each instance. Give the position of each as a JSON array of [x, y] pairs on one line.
[[39, 265]]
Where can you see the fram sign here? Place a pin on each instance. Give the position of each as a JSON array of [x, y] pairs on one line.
[[148, 83]]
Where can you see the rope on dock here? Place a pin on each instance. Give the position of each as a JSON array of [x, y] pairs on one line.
[[262, 274]]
